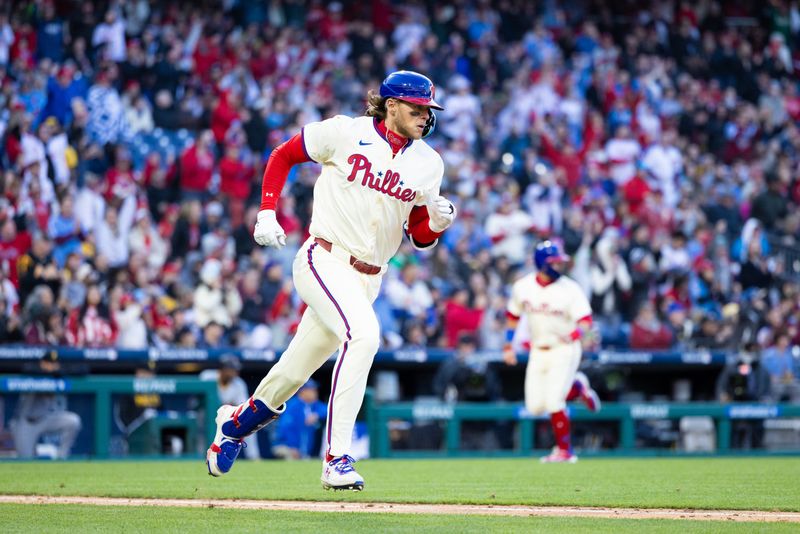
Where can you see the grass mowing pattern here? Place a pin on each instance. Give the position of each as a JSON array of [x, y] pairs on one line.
[[712, 483], [70, 519]]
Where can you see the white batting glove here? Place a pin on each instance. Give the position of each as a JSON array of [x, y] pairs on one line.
[[442, 213], [268, 232]]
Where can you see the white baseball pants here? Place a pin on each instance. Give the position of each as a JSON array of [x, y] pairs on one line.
[[339, 315], [549, 377]]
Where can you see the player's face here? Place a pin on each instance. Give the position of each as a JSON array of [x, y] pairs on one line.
[[407, 119], [559, 266]]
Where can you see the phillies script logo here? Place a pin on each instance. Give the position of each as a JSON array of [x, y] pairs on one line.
[[388, 184], [543, 309]]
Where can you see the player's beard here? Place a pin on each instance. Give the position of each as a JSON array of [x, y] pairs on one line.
[[409, 130]]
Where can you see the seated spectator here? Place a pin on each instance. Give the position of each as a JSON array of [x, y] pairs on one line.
[[45, 413], [296, 430], [213, 336], [648, 332], [783, 369]]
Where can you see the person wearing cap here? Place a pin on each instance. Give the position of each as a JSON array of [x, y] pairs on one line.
[[296, 433]]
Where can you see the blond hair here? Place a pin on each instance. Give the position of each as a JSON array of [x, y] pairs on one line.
[[376, 105]]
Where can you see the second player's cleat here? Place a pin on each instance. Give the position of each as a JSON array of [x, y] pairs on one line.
[[559, 456], [587, 394], [234, 423], [339, 474]]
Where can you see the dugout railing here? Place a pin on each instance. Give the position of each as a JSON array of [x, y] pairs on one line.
[[380, 418]]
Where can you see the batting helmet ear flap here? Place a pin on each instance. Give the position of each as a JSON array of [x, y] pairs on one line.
[[430, 124]]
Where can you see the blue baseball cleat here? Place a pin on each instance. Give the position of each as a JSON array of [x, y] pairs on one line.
[[234, 423]]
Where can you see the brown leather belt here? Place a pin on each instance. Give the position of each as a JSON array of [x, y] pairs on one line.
[[357, 264], [546, 347]]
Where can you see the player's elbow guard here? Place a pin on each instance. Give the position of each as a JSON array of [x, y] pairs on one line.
[[418, 244]]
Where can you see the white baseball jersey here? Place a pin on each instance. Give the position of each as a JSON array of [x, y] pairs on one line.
[[552, 311], [364, 195]]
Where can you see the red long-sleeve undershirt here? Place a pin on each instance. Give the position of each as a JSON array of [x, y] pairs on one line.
[[279, 164]]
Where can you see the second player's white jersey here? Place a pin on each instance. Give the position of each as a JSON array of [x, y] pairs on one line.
[[364, 195], [551, 312]]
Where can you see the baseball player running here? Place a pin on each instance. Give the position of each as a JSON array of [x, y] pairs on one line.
[[558, 317], [379, 180]]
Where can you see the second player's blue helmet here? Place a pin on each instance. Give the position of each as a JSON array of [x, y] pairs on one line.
[[546, 254], [410, 86]]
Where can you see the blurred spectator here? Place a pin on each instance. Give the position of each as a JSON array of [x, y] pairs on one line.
[[409, 296], [744, 379], [783, 370], [109, 37], [106, 118], [10, 324], [65, 230], [215, 300], [45, 413], [648, 332], [111, 236], [235, 180], [90, 325], [296, 433], [37, 268], [197, 166], [128, 320], [467, 375], [610, 283], [507, 228], [771, 205], [461, 317]]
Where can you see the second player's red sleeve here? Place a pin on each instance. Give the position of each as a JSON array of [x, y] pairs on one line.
[[279, 164], [418, 228]]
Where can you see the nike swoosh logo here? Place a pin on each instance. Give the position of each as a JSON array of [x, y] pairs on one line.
[[362, 143]]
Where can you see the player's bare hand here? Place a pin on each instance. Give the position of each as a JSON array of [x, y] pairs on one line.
[[442, 213], [268, 232], [509, 356]]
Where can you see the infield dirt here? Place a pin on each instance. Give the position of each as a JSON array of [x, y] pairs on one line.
[[431, 509]]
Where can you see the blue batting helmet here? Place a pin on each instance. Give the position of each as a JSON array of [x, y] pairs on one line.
[[411, 87], [547, 253]]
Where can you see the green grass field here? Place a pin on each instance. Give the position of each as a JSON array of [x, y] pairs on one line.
[[699, 483], [80, 519]]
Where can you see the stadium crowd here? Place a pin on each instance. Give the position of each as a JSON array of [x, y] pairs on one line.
[[659, 141]]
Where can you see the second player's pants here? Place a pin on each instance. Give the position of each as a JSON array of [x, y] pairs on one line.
[[339, 315], [549, 376]]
